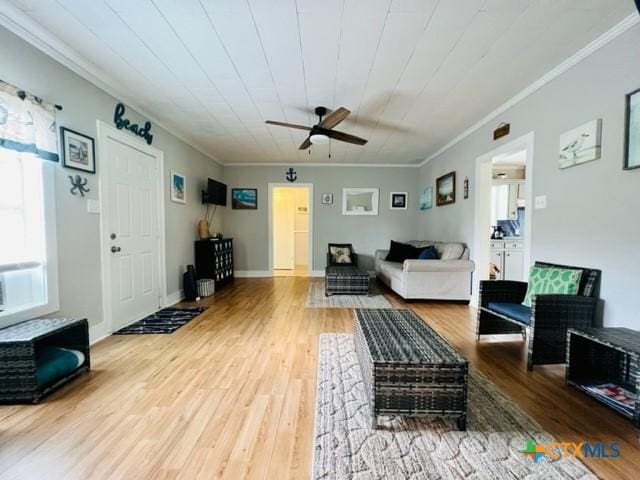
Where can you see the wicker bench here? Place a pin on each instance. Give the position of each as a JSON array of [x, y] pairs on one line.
[[19, 345], [408, 369], [345, 280]]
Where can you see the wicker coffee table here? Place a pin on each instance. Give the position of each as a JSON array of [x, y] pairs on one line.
[[346, 280], [408, 369]]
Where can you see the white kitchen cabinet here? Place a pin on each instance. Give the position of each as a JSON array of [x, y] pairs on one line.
[[508, 256], [506, 197], [513, 266]]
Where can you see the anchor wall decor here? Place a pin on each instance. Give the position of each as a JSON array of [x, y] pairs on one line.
[[291, 175]]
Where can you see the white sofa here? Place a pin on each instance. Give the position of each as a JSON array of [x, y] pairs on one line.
[[448, 278]]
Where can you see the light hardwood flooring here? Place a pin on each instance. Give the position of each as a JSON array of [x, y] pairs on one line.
[[231, 395]]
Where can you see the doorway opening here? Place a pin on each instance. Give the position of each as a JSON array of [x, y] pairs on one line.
[[290, 249], [504, 200]]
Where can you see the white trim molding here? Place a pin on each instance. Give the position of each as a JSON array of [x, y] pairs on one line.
[[252, 273], [601, 41], [173, 298]]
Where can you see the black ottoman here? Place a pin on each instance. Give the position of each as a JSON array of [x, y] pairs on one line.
[[346, 281]]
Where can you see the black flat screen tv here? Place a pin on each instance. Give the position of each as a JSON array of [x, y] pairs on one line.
[[215, 194]]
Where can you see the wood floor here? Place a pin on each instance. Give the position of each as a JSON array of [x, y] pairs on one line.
[[231, 395]]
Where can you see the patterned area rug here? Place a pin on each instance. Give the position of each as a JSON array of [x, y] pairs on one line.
[[317, 299], [411, 448], [167, 320]]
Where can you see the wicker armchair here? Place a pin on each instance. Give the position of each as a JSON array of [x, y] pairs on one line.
[[547, 320], [354, 256]]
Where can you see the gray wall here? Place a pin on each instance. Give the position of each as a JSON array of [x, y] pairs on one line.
[[78, 231], [592, 213], [367, 233]]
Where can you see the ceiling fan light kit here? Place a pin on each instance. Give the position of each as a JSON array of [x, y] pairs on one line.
[[320, 133]]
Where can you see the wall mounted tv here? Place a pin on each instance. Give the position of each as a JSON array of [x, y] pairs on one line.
[[215, 194]]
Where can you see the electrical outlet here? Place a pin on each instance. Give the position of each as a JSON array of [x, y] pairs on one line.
[[541, 201], [93, 206]]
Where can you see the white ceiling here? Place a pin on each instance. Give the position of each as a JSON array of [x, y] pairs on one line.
[[414, 73]]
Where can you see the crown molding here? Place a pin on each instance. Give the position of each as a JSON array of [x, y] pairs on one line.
[[601, 41], [17, 22], [316, 164]]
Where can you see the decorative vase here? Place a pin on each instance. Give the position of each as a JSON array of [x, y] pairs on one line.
[[203, 229]]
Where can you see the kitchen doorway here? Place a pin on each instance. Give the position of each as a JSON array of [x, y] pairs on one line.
[[503, 208]]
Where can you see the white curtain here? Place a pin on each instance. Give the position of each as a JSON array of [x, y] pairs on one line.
[[27, 123]]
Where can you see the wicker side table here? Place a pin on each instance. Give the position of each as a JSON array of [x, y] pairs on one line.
[[408, 369], [605, 355], [18, 347], [345, 280]]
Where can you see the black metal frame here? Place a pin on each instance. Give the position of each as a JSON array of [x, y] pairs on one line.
[[551, 315], [605, 355]]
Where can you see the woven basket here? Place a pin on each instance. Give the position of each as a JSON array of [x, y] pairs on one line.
[[206, 287]]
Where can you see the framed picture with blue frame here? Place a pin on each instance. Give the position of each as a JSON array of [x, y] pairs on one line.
[[244, 198]]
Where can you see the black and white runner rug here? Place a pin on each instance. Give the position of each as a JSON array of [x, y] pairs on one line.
[[167, 320]]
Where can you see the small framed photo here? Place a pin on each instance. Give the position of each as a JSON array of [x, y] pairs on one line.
[[446, 189], [178, 188], [327, 199], [426, 199], [632, 132], [78, 151], [244, 198], [398, 200]]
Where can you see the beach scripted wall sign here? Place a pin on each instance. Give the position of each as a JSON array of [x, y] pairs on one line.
[[124, 123]]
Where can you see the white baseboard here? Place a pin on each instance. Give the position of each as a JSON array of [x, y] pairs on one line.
[[174, 298], [316, 273], [252, 273], [97, 332]]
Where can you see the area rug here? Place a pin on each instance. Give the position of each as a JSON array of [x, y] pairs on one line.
[[317, 299], [167, 320], [345, 447]]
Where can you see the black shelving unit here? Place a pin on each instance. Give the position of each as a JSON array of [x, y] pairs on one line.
[[214, 260], [597, 356]]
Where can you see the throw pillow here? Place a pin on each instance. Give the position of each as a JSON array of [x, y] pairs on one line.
[[340, 254], [559, 281], [429, 253], [399, 252]]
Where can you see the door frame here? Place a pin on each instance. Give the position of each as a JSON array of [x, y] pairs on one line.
[[310, 234], [482, 215], [104, 132]]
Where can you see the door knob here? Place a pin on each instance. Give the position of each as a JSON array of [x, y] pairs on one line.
[[115, 249]]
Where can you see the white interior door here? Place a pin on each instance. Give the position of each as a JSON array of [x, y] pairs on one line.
[[133, 232], [283, 228]]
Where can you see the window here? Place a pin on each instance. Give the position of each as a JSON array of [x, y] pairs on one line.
[[28, 274]]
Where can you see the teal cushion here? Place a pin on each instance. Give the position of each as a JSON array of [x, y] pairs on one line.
[[54, 363], [516, 311], [549, 280], [429, 253]]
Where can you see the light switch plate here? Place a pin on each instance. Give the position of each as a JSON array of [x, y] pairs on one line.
[[541, 201], [93, 206]]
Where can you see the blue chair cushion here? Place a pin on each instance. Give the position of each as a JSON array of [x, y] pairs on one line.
[[516, 311], [429, 253]]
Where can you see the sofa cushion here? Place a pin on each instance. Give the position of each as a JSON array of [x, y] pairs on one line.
[[54, 363], [559, 281], [399, 252], [429, 253], [515, 311], [450, 250]]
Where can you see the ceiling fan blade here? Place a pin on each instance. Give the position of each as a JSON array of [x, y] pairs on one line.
[[334, 118], [290, 125], [306, 144], [345, 137]]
